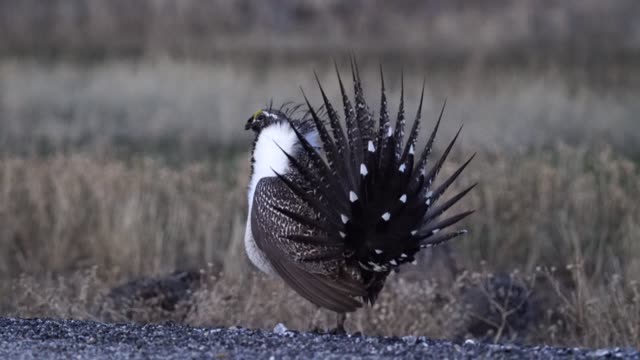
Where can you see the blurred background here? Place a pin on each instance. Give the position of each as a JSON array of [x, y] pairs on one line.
[[124, 163]]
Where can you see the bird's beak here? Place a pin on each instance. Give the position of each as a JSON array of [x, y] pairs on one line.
[[249, 123]]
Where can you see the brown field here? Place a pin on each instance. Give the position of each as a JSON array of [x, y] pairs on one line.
[[74, 226], [134, 164]]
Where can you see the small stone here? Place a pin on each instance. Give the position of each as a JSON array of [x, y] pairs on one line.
[[410, 339], [280, 329], [470, 342], [600, 353]]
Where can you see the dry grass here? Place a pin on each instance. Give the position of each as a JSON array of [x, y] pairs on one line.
[[564, 206], [186, 111], [560, 205], [65, 213], [551, 312]]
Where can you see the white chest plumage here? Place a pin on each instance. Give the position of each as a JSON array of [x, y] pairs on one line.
[[268, 157]]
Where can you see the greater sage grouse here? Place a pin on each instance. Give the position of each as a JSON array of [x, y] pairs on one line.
[[333, 212]]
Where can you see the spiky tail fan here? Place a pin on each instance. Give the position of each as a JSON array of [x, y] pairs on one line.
[[375, 201]]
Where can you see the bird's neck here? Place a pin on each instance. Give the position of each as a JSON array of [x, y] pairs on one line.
[[267, 156]]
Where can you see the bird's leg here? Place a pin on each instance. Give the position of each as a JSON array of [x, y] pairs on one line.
[[342, 317], [339, 330]]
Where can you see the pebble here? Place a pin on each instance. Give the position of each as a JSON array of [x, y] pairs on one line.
[[280, 329], [65, 339]]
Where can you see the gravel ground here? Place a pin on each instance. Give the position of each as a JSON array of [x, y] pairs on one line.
[[72, 339]]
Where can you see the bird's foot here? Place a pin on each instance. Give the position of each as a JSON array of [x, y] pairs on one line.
[[338, 331]]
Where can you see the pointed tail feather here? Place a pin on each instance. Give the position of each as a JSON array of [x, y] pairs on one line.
[[377, 200]]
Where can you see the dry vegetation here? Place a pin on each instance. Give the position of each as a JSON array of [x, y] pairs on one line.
[[126, 168], [68, 212], [563, 222], [185, 111]]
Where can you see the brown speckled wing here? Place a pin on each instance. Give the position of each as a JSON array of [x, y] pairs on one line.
[[314, 271]]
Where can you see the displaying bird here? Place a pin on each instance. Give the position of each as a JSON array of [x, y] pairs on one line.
[[333, 212]]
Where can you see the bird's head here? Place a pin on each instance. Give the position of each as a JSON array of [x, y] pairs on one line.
[[263, 118]]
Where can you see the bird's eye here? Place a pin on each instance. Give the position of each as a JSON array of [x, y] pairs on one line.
[[259, 116]]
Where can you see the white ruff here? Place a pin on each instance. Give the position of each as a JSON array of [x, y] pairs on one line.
[[269, 158]]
